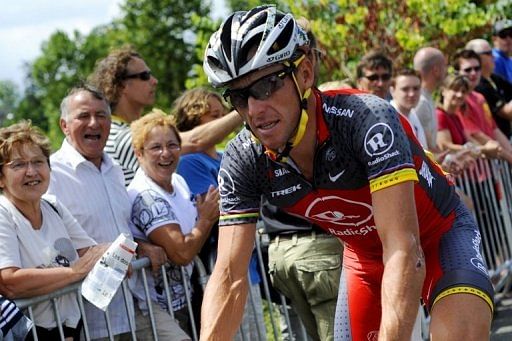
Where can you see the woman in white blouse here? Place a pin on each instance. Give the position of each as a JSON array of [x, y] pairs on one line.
[[163, 209], [42, 247]]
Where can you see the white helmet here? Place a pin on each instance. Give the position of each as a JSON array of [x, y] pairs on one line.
[[230, 52]]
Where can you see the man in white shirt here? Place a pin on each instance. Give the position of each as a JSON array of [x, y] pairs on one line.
[[90, 185], [430, 63]]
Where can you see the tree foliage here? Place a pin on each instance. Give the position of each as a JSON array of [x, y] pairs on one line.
[[172, 35], [9, 97]]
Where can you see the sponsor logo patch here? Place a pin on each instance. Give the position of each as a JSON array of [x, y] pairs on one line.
[[378, 139]]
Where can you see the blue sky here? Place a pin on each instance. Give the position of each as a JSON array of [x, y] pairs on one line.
[[26, 24]]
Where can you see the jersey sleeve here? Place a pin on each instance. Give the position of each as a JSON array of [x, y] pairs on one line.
[[149, 212], [239, 182], [381, 141]]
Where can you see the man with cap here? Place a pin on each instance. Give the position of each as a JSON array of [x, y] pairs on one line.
[[502, 40]]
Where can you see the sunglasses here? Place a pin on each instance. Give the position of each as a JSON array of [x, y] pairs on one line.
[[261, 89], [143, 76], [384, 77], [505, 33], [473, 68], [487, 53]]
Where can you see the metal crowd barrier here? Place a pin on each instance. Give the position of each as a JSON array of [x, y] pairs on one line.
[[488, 186], [137, 265]]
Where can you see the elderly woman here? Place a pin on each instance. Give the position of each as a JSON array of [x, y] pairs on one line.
[[43, 248], [163, 209]]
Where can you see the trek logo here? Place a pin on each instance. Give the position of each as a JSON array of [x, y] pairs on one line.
[[286, 191], [339, 211], [378, 139], [338, 111], [226, 184], [336, 177], [425, 173], [280, 172]]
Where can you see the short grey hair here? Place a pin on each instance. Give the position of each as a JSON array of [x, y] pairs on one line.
[[64, 105]]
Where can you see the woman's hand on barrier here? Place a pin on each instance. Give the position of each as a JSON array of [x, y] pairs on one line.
[[491, 149], [85, 263], [208, 205]]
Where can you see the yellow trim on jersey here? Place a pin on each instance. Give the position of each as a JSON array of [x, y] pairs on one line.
[[393, 179], [466, 290], [238, 216]]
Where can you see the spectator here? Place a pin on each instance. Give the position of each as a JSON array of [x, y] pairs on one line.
[[451, 135], [502, 41], [405, 90], [374, 73], [179, 223], [496, 90], [431, 65], [129, 86], [476, 116], [43, 248], [193, 108], [91, 186]]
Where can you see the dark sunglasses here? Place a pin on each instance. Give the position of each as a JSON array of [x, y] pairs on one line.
[[260, 89], [384, 77], [144, 76], [487, 53], [505, 33], [473, 68]]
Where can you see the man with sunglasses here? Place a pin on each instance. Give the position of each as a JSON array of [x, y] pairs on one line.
[[496, 90], [130, 87], [477, 118], [374, 73], [502, 52], [346, 161]]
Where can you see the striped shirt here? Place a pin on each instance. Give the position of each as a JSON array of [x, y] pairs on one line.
[[119, 147]]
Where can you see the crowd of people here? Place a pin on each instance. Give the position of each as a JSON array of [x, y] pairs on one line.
[[348, 182]]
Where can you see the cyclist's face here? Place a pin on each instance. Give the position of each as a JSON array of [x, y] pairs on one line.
[[274, 117]]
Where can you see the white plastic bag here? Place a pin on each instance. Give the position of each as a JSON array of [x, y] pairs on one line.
[[101, 284]]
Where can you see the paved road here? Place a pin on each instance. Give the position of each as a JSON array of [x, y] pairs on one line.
[[502, 323]]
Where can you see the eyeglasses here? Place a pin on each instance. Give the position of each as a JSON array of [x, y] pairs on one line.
[[384, 77], [260, 89], [158, 149], [473, 68], [487, 53], [505, 33], [22, 165], [143, 76]]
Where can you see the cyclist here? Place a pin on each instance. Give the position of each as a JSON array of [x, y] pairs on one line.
[[347, 162]]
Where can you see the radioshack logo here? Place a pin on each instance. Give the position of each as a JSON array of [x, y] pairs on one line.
[[330, 154], [226, 184], [378, 139], [339, 211]]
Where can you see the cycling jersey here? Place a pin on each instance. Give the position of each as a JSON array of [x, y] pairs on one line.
[[363, 145]]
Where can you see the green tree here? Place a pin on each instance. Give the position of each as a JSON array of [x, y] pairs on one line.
[[164, 33], [9, 97]]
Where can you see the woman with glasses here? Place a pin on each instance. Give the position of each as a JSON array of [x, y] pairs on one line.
[[163, 210], [43, 248]]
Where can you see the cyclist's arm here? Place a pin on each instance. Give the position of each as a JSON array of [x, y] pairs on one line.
[[209, 134], [226, 293], [404, 264]]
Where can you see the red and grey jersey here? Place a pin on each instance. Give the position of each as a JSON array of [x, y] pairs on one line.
[[363, 145]]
